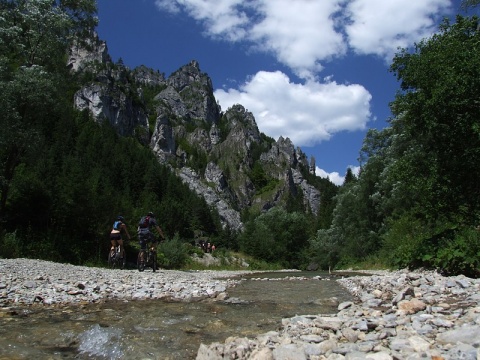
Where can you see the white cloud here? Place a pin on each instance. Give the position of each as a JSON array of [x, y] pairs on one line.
[[380, 27], [306, 113], [302, 34], [299, 33], [335, 177], [224, 19]]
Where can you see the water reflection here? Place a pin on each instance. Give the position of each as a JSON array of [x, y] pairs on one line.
[[153, 329]]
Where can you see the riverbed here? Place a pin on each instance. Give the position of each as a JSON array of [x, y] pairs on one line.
[[163, 328]]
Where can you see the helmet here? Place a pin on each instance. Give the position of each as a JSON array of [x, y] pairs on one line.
[[151, 214], [120, 218]]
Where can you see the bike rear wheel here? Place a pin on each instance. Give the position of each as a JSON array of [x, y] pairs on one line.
[[111, 258], [141, 260], [123, 260], [153, 255]]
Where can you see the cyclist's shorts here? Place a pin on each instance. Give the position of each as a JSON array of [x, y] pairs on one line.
[[115, 237], [144, 238]]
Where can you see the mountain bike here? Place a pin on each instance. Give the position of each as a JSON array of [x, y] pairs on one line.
[[115, 258], [147, 257]]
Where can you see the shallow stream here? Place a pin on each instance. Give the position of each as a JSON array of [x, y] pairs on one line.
[[155, 329]]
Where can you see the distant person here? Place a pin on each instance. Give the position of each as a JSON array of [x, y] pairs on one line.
[[145, 235], [213, 248], [116, 234]]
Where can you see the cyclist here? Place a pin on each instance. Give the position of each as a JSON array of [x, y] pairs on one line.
[[116, 234], [145, 233]]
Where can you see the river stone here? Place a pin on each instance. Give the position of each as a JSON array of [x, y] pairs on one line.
[[361, 325], [206, 353], [261, 354], [464, 352], [344, 305], [468, 334], [411, 306], [381, 355], [464, 283], [401, 295], [29, 284], [327, 346], [311, 338], [289, 352], [350, 334], [356, 355], [336, 357], [418, 343], [328, 323]]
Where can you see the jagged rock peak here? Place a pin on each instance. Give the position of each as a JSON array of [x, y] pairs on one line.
[[238, 113], [83, 53], [282, 151], [187, 75], [195, 91], [147, 76]]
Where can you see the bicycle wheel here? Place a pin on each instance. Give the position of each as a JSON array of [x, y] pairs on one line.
[[111, 258], [123, 260], [141, 260], [153, 255]]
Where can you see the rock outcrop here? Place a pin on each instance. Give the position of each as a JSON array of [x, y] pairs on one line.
[[222, 156]]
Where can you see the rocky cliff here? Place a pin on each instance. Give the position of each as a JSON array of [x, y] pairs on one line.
[[221, 155]]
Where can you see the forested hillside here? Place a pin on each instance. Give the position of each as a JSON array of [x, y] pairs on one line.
[[65, 178], [67, 170], [416, 201]]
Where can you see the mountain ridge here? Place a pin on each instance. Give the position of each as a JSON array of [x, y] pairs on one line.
[[221, 155]]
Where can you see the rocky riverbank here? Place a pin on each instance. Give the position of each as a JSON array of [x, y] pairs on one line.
[[28, 281], [396, 315]]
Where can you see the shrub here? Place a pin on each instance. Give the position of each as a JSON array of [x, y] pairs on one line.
[[173, 254], [10, 246], [461, 254]]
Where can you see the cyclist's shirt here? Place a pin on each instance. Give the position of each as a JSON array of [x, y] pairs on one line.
[[115, 234], [151, 223], [117, 228]]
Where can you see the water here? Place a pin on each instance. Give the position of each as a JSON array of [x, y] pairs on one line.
[[154, 329]]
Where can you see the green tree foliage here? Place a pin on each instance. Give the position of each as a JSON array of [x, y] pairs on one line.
[[64, 178], [418, 190], [438, 116], [277, 237], [349, 176], [34, 36], [470, 3]]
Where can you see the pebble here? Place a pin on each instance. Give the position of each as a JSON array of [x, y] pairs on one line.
[[403, 314], [30, 281]]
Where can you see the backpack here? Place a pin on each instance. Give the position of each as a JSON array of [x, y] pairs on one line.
[[117, 224], [144, 222]]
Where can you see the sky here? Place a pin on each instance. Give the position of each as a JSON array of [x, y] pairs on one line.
[[315, 71]]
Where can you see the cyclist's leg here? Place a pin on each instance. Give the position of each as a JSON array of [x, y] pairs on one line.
[[153, 242], [113, 241], [122, 251], [143, 245]]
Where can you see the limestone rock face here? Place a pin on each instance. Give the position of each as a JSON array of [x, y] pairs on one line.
[[228, 216], [83, 55], [196, 91], [106, 104], [221, 155]]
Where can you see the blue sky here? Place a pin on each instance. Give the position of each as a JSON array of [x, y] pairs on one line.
[[315, 71]]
